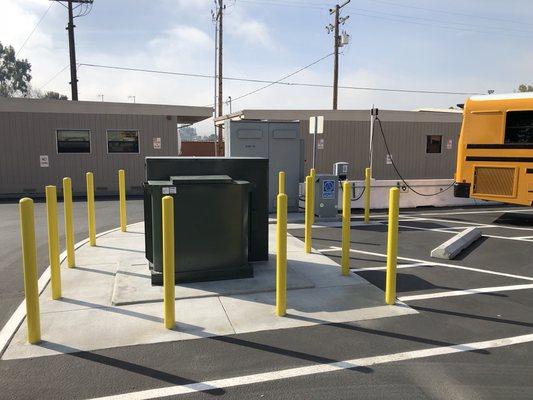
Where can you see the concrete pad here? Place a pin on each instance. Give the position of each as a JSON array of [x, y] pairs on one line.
[[100, 328], [250, 313], [452, 247], [133, 285], [85, 318]]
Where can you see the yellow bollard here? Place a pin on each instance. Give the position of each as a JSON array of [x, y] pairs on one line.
[[281, 182], [168, 262], [122, 198], [308, 213], [281, 259], [29, 261], [53, 241], [368, 176], [90, 208], [392, 246], [69, 226], [346, 220], [312, 172]]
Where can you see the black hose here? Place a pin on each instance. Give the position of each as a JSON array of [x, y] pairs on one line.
[[398, 172]]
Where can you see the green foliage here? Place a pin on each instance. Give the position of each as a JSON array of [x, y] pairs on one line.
[[53, 95], [525, 88], [15, 74]]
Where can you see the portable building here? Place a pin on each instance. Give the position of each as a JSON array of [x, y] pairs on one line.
[[42, 141], [422, 143]]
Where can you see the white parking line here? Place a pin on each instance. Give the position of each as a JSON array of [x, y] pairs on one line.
[[416, 260], [453, 293], [401, 266], [495, 211], [317, 369]]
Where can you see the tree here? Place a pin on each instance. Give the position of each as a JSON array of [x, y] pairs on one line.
[[53, 95], [15, 74], [525, 88]]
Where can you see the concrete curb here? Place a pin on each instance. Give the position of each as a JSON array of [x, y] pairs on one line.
[[452, 247], [14, 322]]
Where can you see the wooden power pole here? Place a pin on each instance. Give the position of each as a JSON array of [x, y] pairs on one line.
[[337, 43], [71, 42], [219, 105]]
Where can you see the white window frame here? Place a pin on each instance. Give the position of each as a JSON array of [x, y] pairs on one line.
[[441, 142], [129, 152], [77, 129]]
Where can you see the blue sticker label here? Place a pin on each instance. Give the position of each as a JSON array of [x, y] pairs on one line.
[[328, 189]]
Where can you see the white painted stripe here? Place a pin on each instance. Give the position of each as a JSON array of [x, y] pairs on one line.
[[416, 260], [495, 211], [450, 221], [16, 319], [401, 266], [317, 369], [453, 293]]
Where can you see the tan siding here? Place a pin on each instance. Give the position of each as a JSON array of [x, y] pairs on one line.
[[25, 136], [349, 141]]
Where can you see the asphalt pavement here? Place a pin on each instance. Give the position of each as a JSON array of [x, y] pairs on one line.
[[444, 320]]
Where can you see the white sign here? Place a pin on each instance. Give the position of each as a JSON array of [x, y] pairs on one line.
[[43, 160], [169, 190], [316, 125], [449, 145], [388, 159], [320, 144], [157, 143]]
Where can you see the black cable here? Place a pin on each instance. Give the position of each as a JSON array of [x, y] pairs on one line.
[[361, 195], [398, 172]]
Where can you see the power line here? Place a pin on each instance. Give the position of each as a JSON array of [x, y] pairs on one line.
[[54, 77], [280, 81], [444, 24], [431, 22], [450, 12], [34, 29]]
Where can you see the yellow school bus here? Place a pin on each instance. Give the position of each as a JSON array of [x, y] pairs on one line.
[[495, 149]]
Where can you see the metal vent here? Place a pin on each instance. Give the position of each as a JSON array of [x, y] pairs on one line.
[[494, 181]]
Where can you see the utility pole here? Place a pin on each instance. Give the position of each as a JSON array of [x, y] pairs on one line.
[[338, 42], [220, 14], [71, 42], [72, 49]]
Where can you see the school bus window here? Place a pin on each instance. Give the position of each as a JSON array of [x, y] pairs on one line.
[[434, 144], [519, 127]]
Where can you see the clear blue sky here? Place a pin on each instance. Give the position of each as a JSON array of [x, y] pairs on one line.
[[441, 45]]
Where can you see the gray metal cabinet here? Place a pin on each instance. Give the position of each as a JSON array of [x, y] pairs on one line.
[[279, 142]]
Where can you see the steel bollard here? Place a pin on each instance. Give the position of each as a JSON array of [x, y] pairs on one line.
[[90, 208], [122, 198], [168, 263], [281, 258], [281, 182], [368, 177], [308, 213], [346, 221], [392, 246], [69, 226], [53, 241], [312, 173], [29, 261]]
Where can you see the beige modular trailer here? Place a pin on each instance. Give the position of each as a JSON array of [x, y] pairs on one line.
[[423, 143], [42, 141]]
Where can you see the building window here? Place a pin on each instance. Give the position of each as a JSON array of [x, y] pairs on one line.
[[73, 141], [434, 144], [519, 127], [122, 141]]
